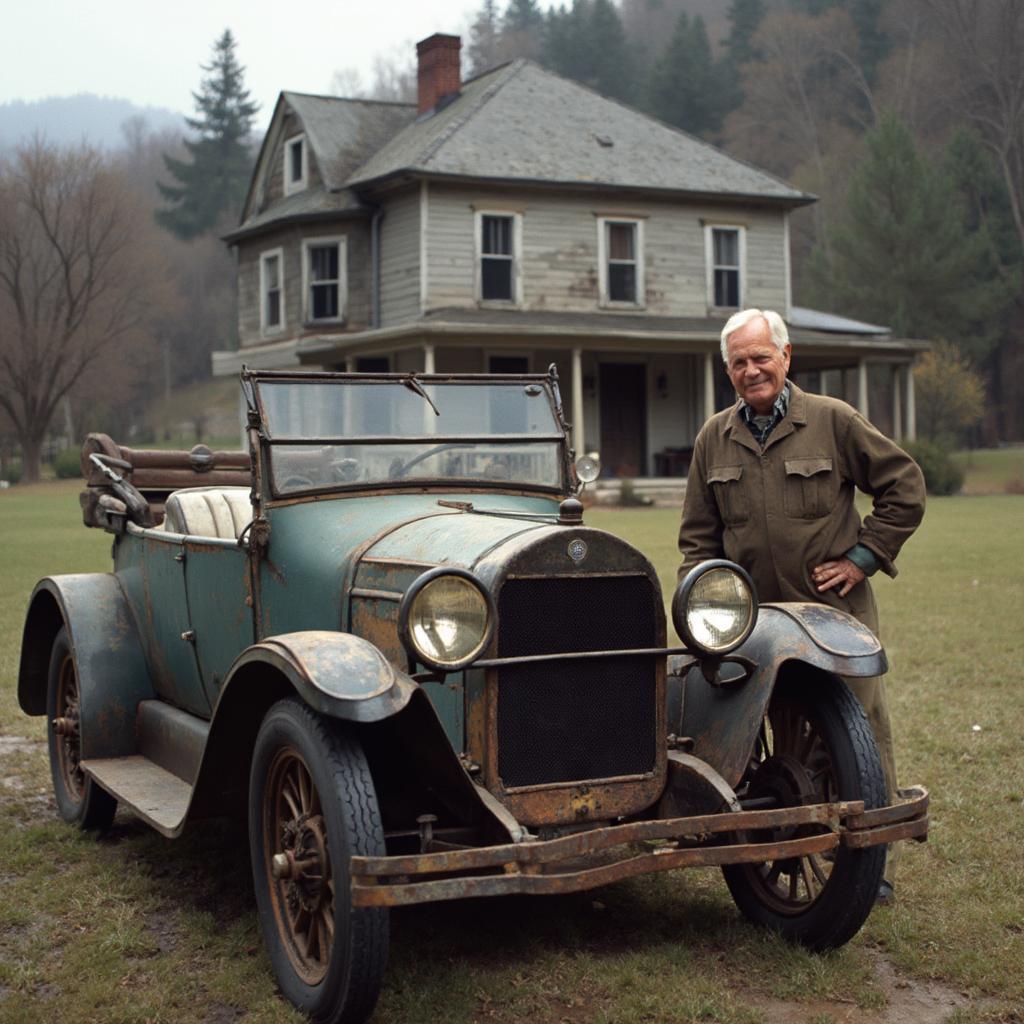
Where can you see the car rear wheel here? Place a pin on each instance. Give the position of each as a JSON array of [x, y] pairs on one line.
[[312, 806], [815, 746], [80, 800]]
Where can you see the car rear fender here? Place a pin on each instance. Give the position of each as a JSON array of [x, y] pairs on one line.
[[723, 719], [109, 660]]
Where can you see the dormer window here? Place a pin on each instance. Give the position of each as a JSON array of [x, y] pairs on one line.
[[295, 164]]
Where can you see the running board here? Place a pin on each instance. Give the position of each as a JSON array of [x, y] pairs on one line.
[[156, 795]]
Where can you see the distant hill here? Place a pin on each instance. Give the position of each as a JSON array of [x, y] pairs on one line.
[[70, 119]]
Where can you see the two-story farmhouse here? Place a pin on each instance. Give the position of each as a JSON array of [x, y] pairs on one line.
[[520, 219]]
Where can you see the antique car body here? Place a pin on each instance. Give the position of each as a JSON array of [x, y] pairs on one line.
[[267, 645]]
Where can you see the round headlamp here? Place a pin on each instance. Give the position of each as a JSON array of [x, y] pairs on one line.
[[715, 608], [446, 619]]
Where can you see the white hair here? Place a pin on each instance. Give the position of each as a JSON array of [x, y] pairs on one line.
[[776, 327]]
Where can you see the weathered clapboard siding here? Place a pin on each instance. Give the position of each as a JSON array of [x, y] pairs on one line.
[[400, 259], [289, 240], [559, 262]]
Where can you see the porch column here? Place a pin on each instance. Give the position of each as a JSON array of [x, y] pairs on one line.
[[823, 383], [428, 358], [577, 402], [911, 431], [350, 364], [862, 388], [709, 385], [897, 405]]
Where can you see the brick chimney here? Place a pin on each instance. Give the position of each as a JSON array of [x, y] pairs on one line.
[[438, 71]]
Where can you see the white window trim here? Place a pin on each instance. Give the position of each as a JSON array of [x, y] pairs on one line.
[[341, 241], [266, 329], [295, 186], [517, 256], [709, 263], [602, 258]]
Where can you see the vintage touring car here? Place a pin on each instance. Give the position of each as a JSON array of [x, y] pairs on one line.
[[385, 636]]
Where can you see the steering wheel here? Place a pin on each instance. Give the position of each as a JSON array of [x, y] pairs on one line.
[[398, 468]]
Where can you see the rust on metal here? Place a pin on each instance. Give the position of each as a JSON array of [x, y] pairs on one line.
[[551, 866], [912, 801]]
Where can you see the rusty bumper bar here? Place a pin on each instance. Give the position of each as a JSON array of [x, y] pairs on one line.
[[573, 863]]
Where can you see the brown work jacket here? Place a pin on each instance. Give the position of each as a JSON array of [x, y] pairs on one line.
[[783, 510]]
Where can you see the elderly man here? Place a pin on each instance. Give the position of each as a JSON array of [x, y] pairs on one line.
[[771, 487]]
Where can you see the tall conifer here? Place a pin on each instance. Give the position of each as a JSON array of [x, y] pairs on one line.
[[212, 184]]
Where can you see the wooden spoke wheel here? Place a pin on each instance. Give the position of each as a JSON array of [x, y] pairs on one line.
[[815, 746], [79, 800], [312, 806]]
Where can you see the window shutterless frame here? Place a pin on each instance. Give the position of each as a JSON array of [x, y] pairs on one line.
[[725, 259], [296, 164], [498, 238], [324, 279], [272, 293], [621, 261]]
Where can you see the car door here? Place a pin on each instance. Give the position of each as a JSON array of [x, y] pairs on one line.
[[220, 607]]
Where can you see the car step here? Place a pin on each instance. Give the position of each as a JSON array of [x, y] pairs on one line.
[[152, 792]]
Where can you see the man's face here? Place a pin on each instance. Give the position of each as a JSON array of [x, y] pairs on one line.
[[756, 367]]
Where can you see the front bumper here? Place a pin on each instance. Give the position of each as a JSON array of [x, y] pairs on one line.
[[604, 855]]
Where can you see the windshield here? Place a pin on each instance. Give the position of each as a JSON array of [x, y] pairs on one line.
[[351, 432]]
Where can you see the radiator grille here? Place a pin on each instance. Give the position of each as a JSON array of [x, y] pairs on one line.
[[572, 721]]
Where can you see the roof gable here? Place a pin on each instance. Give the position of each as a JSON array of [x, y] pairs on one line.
[[521, 122]]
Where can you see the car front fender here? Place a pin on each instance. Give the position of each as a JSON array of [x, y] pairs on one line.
[[723, 718], [109, 660], [338, 674]]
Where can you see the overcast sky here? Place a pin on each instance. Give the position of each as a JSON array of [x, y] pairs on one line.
[[150, 53]]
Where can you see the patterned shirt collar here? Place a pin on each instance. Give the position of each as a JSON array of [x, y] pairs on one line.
[[762, 426]]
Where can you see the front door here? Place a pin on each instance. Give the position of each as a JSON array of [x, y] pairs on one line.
[[624, 419]]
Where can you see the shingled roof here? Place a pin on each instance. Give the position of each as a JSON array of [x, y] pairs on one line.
[[523, 123]]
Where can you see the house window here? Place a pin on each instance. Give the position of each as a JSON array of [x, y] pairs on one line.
[[323, 270], [621, 255], [725, 255], [271, 291], [498, 242], [295, 164]]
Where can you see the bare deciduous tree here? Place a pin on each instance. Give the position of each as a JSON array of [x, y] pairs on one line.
[[79, 277]]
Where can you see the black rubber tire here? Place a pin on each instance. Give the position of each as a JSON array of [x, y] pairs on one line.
[[83, 802], [352, 824], [842, 905]]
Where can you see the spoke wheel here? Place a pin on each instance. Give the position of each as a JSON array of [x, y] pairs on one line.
[[299, 863], [79, 800], [815, 746], [312, 806]]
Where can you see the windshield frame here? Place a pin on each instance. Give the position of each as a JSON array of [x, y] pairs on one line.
[[260, 433]]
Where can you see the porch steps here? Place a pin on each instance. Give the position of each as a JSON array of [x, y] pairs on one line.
[[664, 491], [154, 793]]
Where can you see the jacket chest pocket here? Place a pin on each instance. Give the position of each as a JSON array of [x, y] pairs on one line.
[[730, 497], [810, 489]]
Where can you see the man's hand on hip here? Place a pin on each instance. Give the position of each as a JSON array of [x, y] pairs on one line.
[[841, 573]]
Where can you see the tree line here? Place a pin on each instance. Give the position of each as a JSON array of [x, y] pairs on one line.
[[905, 118]]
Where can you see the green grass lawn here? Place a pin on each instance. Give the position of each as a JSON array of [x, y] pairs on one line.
[[990, 470], [134, 928]]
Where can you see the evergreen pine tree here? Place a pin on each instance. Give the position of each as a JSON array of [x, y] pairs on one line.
[[212, 184], [483, 39], [744, 18], [522, 16], [687, 87], [588, 43], [904, 254]]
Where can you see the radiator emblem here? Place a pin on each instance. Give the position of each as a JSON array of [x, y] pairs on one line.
[[577, 550]]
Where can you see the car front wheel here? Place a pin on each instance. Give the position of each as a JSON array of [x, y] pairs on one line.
[[312, 806], [80, 800], [815, 746]]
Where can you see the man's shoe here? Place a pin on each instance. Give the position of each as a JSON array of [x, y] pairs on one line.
[[886, 894]]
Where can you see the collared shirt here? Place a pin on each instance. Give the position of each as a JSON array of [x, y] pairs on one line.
[[761, 427]]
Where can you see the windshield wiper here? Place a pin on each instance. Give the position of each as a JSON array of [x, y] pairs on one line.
[[501, 513], [414, 385]]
